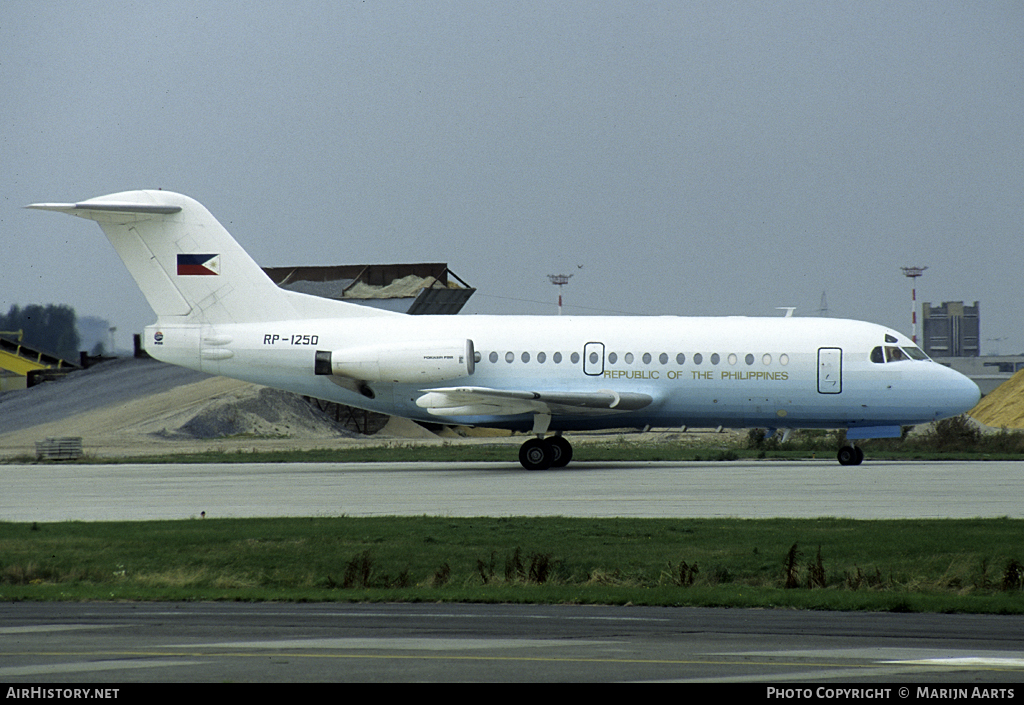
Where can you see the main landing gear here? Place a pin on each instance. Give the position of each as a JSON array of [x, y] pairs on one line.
[[850, 455], [543, 453]]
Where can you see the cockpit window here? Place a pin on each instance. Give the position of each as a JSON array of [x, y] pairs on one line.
[[894, 354], [891, 353]]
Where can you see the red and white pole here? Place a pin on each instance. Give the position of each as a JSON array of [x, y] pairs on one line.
[[913, 273], [913, 314]]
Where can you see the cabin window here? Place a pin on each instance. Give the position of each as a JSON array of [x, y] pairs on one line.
[[749, 359], [510, 357], [783, 359], [612, 358], [697, 358], [732, 358], [663, 358], [680, 359], [574, 358], [715, 358], [541, 357], [647, 358], [526, 357], [493, 357], [557, 357], [628, 358], [766, 359]]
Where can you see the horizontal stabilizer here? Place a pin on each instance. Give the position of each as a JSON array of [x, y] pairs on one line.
[[139, 208]]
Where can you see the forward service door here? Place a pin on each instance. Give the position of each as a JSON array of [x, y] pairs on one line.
[[830, 370]]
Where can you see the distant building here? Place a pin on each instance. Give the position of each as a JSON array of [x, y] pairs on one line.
[[951, 330], [423, 288], [988, 371]]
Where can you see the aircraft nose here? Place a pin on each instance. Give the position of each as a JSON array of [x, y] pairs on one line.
[[963, 394]]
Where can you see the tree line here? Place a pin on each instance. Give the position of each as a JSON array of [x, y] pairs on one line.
[[52, 328]]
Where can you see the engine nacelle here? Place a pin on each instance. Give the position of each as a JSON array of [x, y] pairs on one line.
[[415, 362]]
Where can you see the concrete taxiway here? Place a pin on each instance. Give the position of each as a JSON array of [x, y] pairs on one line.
[[742, 489]]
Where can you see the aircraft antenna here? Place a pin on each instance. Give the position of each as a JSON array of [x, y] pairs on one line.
[[913, 273], [559, 280], [823, 307]]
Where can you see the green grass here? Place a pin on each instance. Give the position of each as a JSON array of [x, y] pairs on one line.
[[932, 566]]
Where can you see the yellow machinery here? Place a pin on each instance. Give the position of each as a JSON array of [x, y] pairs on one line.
[[19, 360]]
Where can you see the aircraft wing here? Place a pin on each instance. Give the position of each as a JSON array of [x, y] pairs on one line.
[[484, 401]]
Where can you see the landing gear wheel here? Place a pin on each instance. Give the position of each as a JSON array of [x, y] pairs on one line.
[[535, 454], [850, 455], [560, 449]]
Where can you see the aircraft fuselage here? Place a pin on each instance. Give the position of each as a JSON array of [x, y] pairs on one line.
[[701, 372]]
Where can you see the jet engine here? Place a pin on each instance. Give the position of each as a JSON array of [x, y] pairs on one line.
[[415, 362]]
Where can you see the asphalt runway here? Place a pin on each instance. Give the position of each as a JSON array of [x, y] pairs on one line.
[[742, 489], [124, 643]]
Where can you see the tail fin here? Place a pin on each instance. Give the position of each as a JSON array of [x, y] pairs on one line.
[[188, 266]]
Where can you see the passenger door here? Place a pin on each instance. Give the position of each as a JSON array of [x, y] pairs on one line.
[[593, 359]]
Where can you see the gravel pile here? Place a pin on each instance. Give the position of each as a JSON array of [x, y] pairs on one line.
[[1004, 406], [137, 407]]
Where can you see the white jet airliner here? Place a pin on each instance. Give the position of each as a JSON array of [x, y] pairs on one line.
[[218, 312]]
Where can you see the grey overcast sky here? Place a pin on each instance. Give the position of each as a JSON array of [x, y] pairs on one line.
[[719, 158]]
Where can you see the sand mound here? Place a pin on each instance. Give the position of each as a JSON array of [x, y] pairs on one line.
[[1004, 407], [251, 410], [142, 407]]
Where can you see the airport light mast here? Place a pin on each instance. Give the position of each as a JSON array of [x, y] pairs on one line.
[[559, 280], [913, 273]]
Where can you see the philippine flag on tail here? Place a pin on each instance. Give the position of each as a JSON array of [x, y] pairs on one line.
[[198, 265]]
